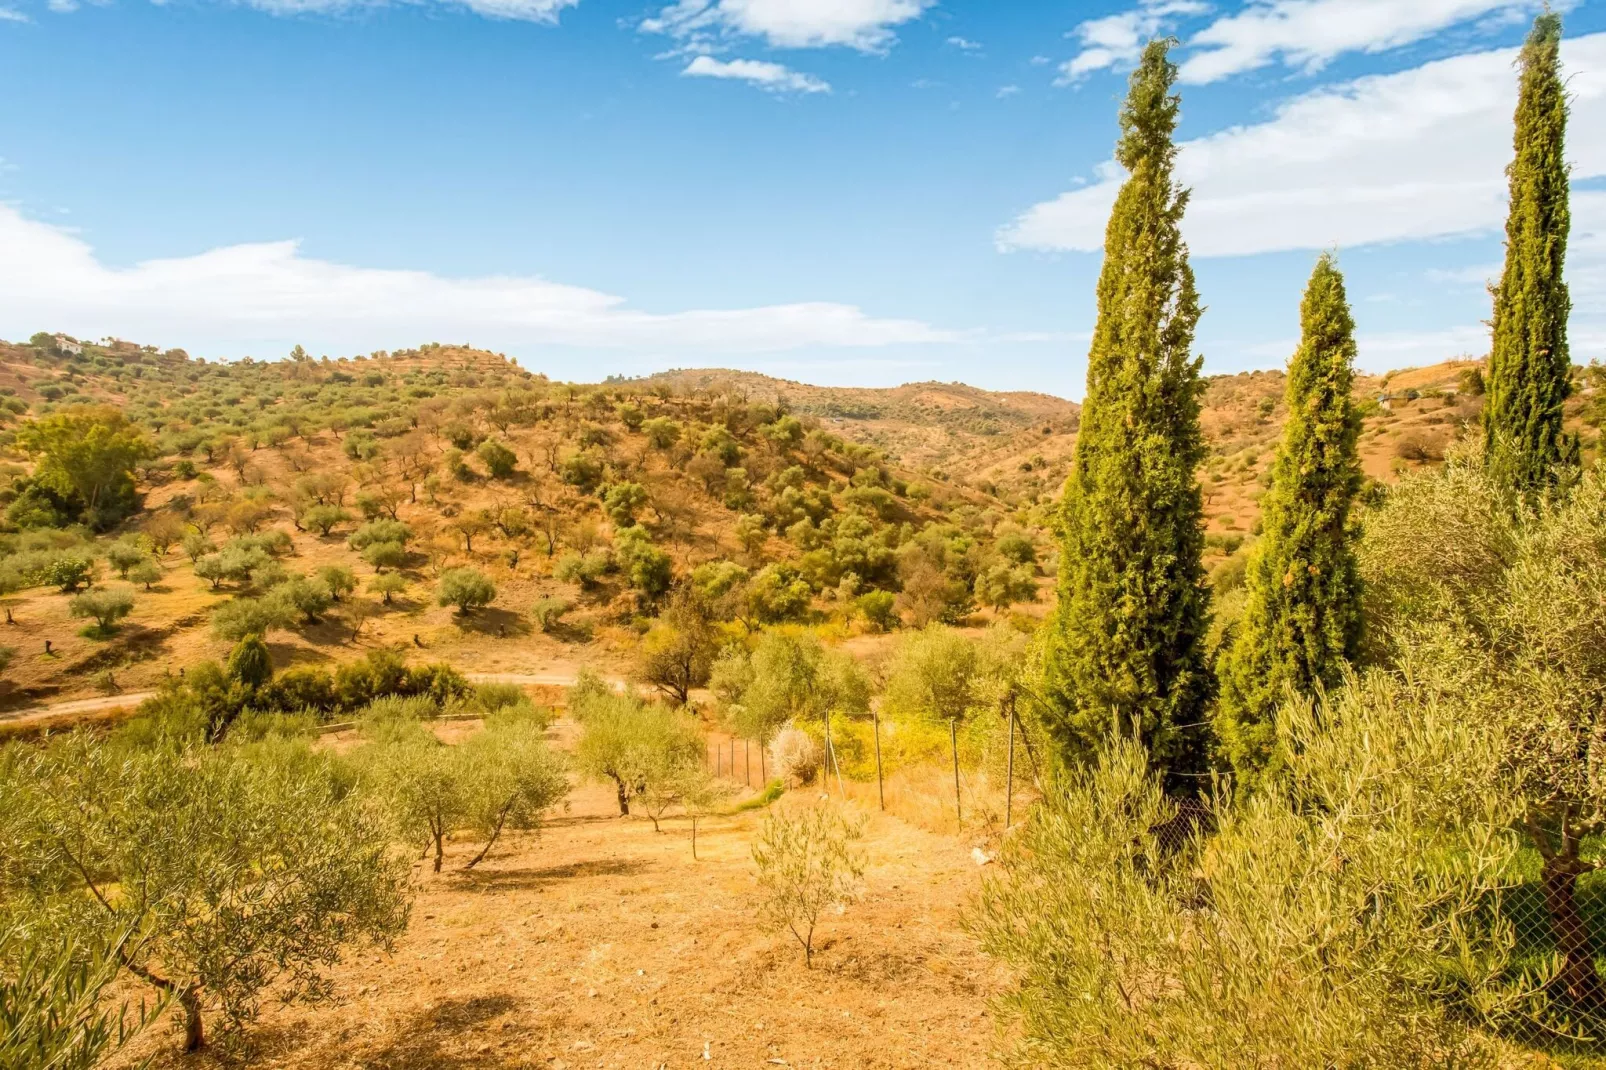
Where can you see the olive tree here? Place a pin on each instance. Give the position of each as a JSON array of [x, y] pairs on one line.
[[325, 518], [466, 588], [53, 1012], [513, 778], [124, 554], [421, 781], [244, 871], [388, 585], [638, 746], [146, 573], [1510, 591], [106, 606], [807, 865], [788, 677], [677, 653]]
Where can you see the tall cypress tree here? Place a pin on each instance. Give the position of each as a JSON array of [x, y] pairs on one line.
[[1529, 362], [1126, 652], [1302, 621]]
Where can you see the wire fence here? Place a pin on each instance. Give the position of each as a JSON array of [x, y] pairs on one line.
[[1545, 922], [739, 760]]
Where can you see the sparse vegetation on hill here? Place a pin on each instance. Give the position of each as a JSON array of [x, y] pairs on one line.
[[1306, 752]]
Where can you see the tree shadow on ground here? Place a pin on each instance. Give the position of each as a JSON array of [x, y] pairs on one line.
[[570, 632], [491, 621], [435, 1037], [286, 655], [328, 630], [483, 879]]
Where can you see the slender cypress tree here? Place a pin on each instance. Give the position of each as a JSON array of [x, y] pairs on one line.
[[1302, 620], [1126, 652], [1529, 362]]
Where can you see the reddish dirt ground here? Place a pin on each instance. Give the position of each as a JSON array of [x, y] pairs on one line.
[[601, 943]]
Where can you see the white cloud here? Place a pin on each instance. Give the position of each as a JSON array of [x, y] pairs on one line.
[[1385, 350], [1413, 155], [1118, 39], [1309, 33], [522, 10], [964, 44], [8, 14], [771, 76], [1007, 91], [1475, 275], [247, 298], [516, 10], [866, 25]]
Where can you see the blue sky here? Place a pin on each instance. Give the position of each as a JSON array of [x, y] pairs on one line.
[[858, 192]]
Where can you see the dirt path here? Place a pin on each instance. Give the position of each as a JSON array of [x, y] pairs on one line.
[[601, 943]]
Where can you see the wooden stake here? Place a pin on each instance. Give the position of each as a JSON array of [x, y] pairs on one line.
[[831, 761], [953, 738], [881, 795], [1009, 766], [747, 765]]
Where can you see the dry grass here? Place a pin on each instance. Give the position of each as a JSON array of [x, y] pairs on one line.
[[600, 943]]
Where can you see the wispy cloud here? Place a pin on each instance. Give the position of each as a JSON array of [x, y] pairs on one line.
[[965, 44], [1478, 275], [239, 298], [1307, 34], [1117, 39], [771, 76], [1412, 155], [8, 14], [1007, 91], [546, 11], [866, 25]]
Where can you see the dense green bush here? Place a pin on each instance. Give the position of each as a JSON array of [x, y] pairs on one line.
[[255, 869], [466, 588], [105, 606]]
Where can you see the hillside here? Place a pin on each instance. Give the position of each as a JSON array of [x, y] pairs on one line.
[[258, 479], [936, 427], [580, 504]]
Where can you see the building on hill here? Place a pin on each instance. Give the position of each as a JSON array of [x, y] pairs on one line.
[[67, 345]]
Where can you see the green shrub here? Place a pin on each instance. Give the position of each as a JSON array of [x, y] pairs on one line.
[[548, 613], [807, 866], [583, 569], [499, 460], [240, 617], [306, 866], [466, 588], [879, 609], [107, 607]]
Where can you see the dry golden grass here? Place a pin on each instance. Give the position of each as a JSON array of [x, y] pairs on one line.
[[600, 943]]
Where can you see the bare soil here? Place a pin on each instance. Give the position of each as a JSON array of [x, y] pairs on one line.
[[601, 943]]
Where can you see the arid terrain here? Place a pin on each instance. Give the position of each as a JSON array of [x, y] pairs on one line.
[[602, 943]]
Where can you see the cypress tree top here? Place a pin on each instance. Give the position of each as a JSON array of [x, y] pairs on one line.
[[1302, 620], [1126, 651], [1529, 362]]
